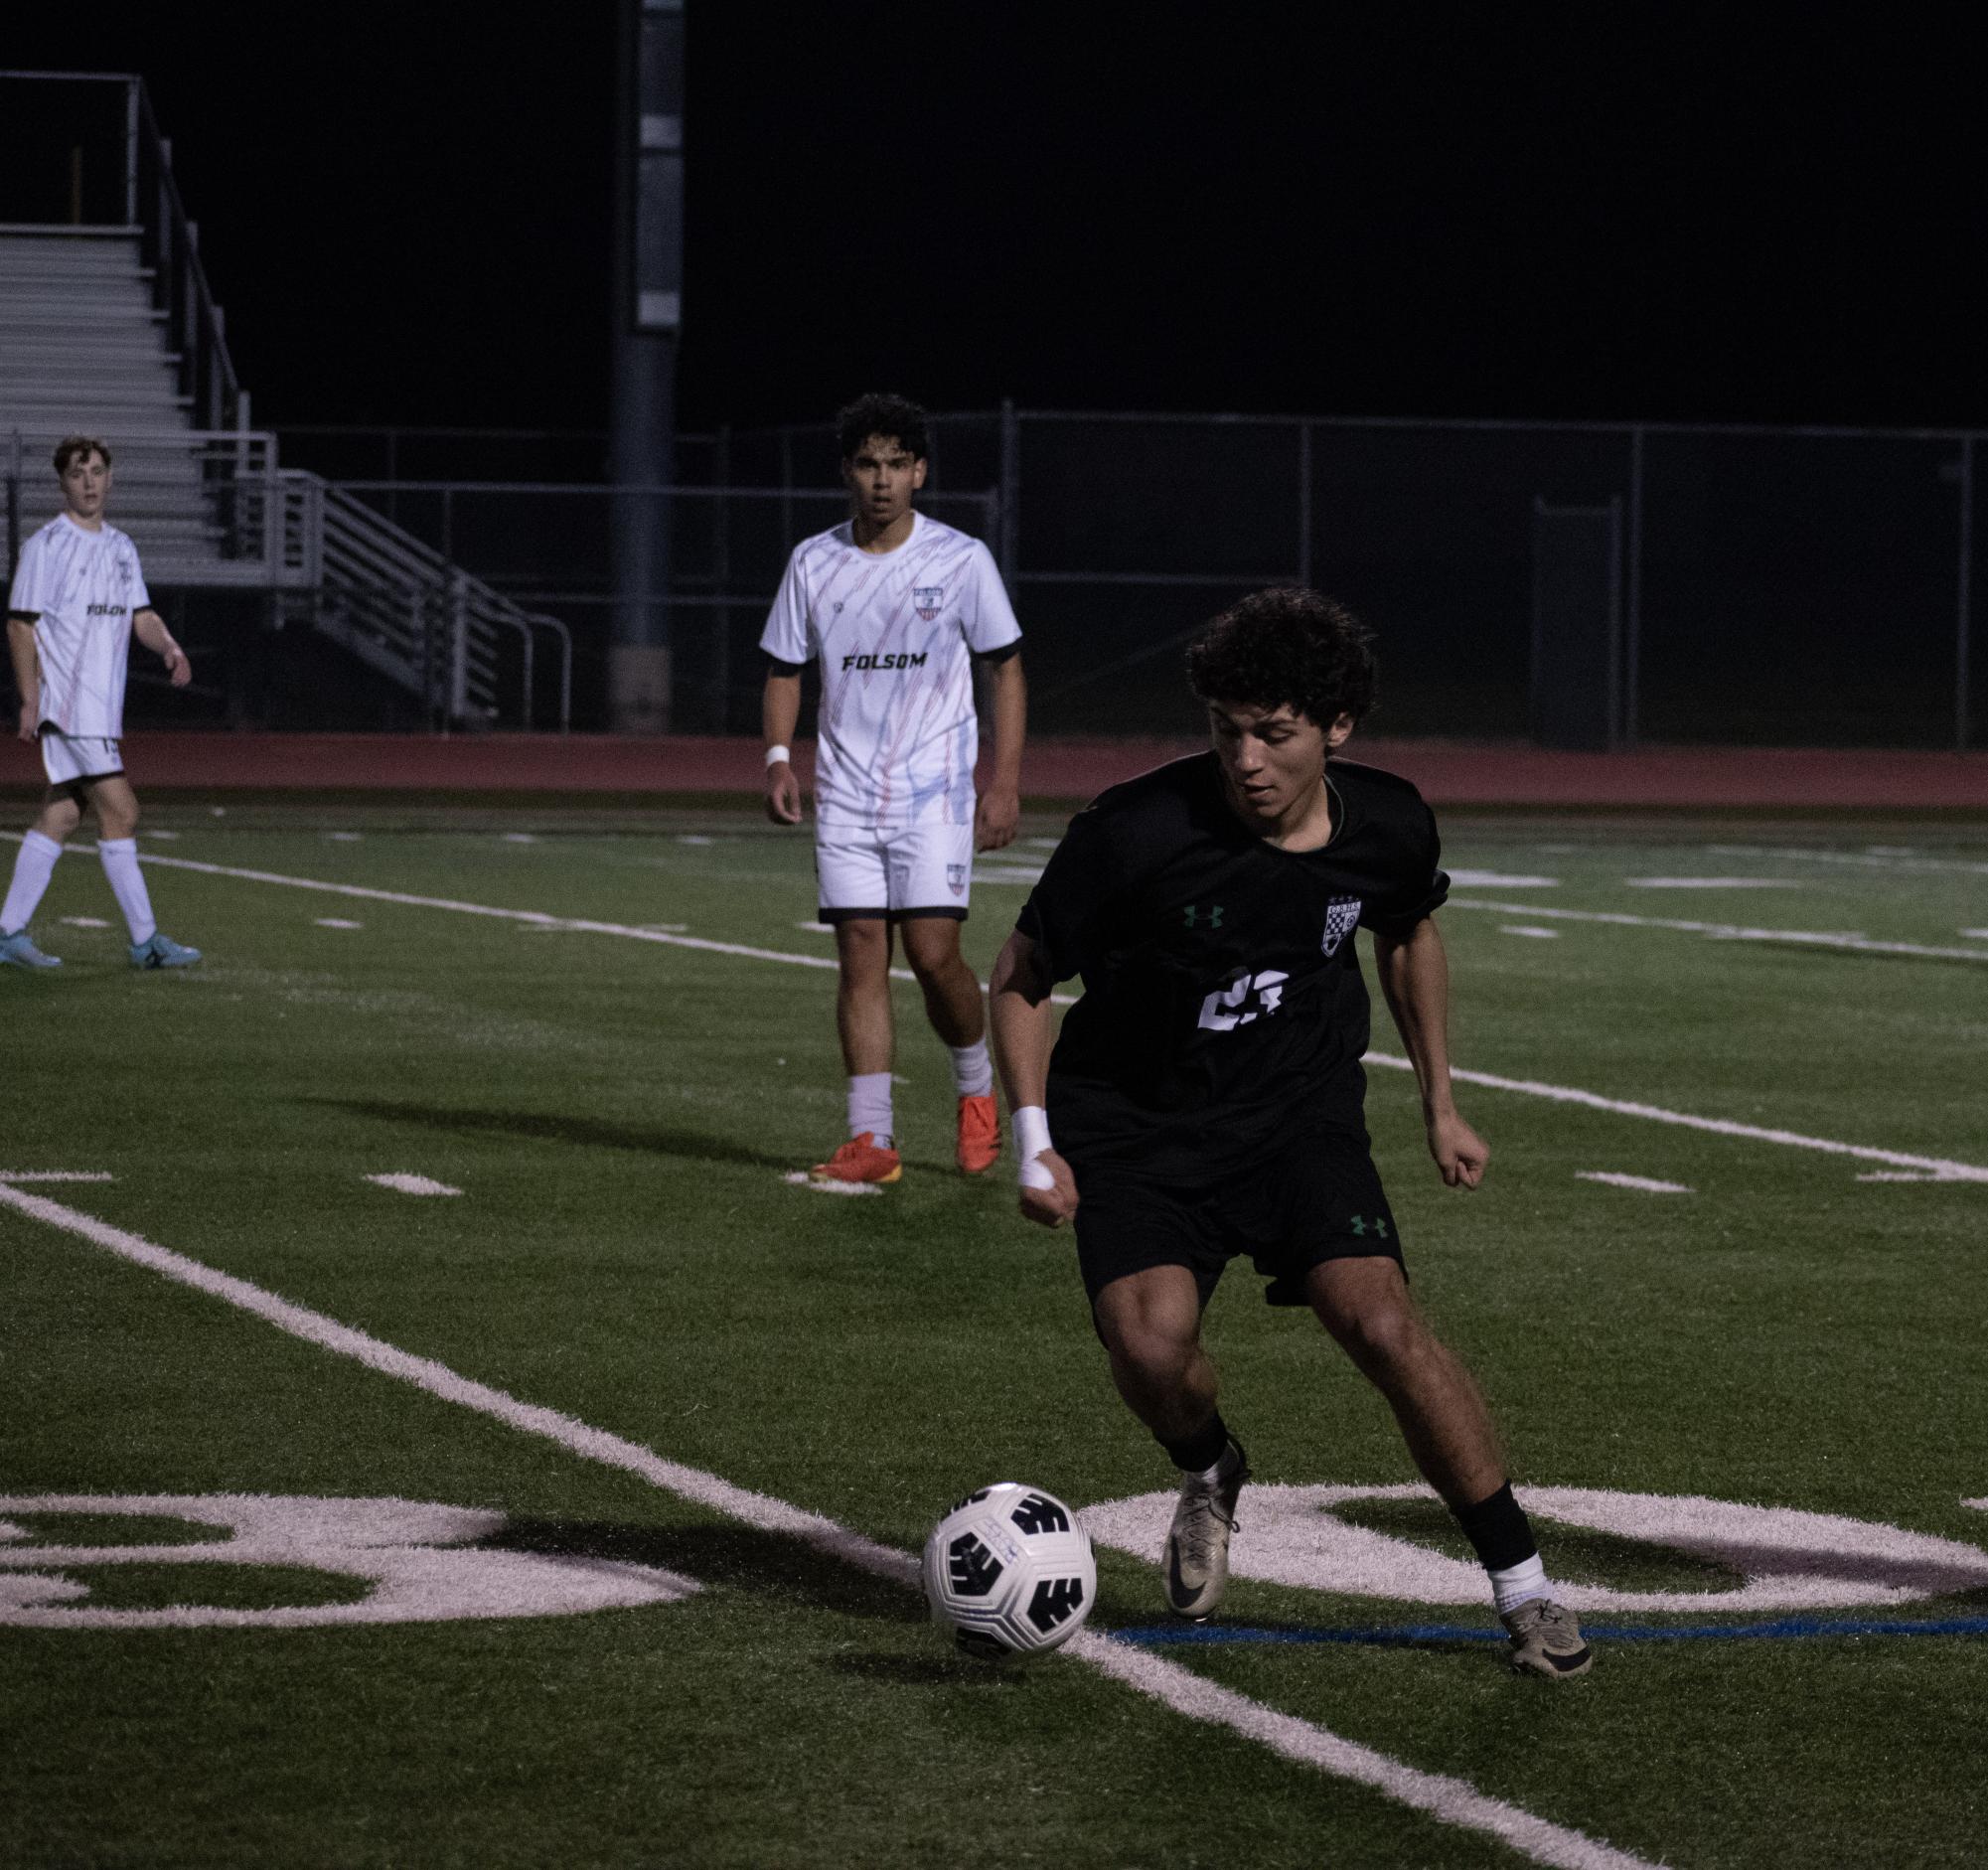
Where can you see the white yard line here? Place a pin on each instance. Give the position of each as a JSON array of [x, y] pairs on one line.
[[1448, 1800], [1525, 1087], [1896, 862], [1717, 931], [56, 1174], [403, 1183], [1645, 1185]]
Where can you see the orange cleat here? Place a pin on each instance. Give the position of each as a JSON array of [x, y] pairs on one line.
[[860, 1159], [980, 1135]]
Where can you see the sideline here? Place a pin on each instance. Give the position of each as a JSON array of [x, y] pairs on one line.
[[1940, 1168], [1716, 931], [1450, 1801]]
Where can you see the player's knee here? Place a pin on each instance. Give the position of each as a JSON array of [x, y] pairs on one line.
[[1156, 1358], [1379, 1334], [59, 818]]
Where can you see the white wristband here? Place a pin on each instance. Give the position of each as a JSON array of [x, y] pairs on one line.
[[1031, 1125], [776, 754]]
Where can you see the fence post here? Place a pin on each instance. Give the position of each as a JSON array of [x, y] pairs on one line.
[[131, 151], [459, 645], [1632, 610], [1010, 490], [1964, 722], [1305, 503]]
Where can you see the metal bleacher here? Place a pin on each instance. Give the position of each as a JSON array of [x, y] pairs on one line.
[[108, 328]]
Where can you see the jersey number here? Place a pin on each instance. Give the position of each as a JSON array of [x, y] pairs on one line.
[[1230, 1006]]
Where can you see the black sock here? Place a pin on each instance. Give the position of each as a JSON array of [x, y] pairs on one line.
[[1197, 1453], [1500, 1531]]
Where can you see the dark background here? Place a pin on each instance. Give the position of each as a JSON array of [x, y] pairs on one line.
[[1567, 213]]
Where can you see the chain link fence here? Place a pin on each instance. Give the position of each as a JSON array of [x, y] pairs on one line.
[[1597, 584]]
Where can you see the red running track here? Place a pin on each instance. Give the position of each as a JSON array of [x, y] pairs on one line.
[[1450, 772]]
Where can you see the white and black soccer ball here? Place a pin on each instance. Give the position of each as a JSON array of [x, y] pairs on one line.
[[1009, 1572]]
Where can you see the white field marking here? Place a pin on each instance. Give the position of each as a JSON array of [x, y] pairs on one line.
[[1448, 1800], [1716, 1126], [217, 811], [1521, 928], [1787, 1558], [1711, 882], [817, 928], [411, 1552], [1976, 934], [828, 1184], [1526, 1087], [998, 873], [412, 1184], [519, 837], [1980, 1506], [56, 1174], [1904, 1174], [693, 839], [337, 921], [1891, 858], [1648, 1185], [1497, 880], [1716, 931], [343, 836], [85, 921], [169, 835]]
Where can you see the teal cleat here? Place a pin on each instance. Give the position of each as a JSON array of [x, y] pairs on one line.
[[16, 950], [162, 952]]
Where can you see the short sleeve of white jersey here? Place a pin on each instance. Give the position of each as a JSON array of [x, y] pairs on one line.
[[30, 595], [787, 637], [142, 599], [986, 618]]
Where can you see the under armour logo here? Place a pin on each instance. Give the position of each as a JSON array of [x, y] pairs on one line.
[[1195, 913], [1359, 1225]]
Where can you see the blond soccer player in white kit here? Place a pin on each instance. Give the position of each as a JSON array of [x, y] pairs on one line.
[[78, 599], [896, 608]]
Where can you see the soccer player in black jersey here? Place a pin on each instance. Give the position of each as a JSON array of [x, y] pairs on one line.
[[1206, 1091]]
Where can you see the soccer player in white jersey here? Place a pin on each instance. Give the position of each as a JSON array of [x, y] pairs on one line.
[[896, 609], [78, 600]]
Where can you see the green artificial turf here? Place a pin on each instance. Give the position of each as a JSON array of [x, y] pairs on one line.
[[619, 1113]]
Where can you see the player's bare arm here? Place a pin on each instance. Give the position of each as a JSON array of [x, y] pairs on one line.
[[150, 629], [779, 715], [998, 811], [27, 673], [1020, 1023], [1414, 974]]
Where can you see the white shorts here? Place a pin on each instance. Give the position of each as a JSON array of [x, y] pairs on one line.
[[904, 872], [68, 757]]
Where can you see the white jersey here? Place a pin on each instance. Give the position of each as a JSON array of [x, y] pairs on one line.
[[895, 634], [82, 588]]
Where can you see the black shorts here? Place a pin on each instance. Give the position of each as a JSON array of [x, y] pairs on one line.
[[1320, 1200]]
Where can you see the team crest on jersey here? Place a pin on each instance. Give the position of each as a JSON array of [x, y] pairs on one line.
[[1342, 917], [956, 878], [928, 600]]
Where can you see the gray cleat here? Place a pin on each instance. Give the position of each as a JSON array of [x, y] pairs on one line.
[[162, 952], [1546, 1641], [1195, 1566], [16, 950]]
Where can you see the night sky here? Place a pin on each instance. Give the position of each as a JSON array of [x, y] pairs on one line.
[[1402, 211]]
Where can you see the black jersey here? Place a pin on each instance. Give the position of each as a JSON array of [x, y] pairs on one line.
[[1223, 1005]]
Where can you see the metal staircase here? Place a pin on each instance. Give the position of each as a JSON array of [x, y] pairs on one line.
[[112, 331]]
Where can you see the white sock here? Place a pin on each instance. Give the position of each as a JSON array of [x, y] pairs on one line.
[[973, 1070], [128, 885], [869, 1107], [33, 868], [1520, 1584]]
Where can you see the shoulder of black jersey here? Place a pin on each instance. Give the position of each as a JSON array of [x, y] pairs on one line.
[[1157, 791], [1374, 783]]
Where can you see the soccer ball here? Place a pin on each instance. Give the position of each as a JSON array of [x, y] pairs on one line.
[[1010, 1572]]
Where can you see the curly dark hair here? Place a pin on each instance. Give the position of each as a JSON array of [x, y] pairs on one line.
[[78, 447], [1287, 646], [896, 417]]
